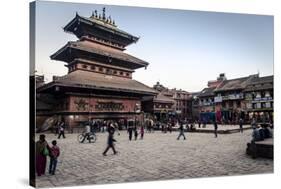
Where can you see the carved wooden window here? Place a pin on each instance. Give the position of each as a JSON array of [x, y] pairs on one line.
[[108, 71]]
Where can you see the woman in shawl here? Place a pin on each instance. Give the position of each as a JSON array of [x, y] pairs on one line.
[[42, 149]]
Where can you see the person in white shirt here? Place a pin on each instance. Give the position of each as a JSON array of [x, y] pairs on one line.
[[87, 133]]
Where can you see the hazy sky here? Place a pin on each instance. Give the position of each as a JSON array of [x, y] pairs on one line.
[[185, 49]]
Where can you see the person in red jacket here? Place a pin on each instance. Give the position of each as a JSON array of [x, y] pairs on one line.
[[54, 154]]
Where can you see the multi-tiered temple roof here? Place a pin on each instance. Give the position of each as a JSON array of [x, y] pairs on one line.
[[100, 27], [97, 52], [97, 60]]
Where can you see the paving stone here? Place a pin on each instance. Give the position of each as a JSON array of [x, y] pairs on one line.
[[158, 157]]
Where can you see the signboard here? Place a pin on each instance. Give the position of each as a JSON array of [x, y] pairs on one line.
[[109, 106], [263, 99], [218, 99], [178, 111], [93, 104], [235, 96], [231, 97]]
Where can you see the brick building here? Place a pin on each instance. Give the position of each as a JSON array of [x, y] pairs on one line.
[[182, 107], [160, 107], [227, 100], [183, 103], [259, 99]]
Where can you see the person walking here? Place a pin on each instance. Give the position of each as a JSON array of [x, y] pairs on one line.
[[42, 151], [92, 124], [216, 128], [181, 129], [254, 123], [103, 126], [192, 126], [61, 129], [136, 132], [110, 141], [165, 127], [54, 154], [241, 125], [55, 128], [170, 127], [130, 131], [142, 131]]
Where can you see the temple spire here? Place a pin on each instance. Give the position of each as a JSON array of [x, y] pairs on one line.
[[109, 20], [103, 13]]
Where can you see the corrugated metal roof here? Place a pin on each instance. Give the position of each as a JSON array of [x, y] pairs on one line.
[[265, 79], [260, 83], [235, 84], [207, 92]]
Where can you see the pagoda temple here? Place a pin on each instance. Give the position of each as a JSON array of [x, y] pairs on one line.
[[99, 82]]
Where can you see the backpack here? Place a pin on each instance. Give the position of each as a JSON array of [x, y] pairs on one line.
[[55, 151]]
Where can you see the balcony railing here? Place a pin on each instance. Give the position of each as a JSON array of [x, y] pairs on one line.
[[264, 99], [229, 97], [206, 104]]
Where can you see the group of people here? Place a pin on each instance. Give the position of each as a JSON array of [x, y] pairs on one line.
[[43, 150], [99, 125], [135, 130], [261, 132], [166, 127]]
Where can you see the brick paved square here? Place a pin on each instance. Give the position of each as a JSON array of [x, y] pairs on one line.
[[158, 157]]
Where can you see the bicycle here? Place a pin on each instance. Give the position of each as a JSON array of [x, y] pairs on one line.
[[92, 137]]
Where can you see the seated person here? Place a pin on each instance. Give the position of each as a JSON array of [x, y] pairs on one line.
[[270, 128], [261, 132], [266, 132], [255, 135]]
